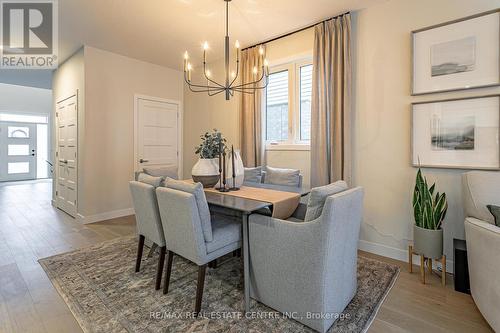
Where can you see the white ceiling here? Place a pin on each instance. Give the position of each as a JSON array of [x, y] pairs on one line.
[[159, 31]]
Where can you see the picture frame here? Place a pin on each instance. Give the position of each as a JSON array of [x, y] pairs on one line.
[[459, 133], [456, 55]]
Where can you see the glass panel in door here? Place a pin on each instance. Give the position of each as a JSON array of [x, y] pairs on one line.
[[17, 151]]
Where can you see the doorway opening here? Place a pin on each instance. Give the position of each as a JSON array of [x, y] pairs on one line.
[[24, 147]]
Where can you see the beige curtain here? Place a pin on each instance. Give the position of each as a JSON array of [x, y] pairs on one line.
[[252, 151], [331, 102]]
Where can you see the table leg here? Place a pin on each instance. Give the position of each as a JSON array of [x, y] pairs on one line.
[[422, 268], [410, 258], [443, 273], [246, 263]]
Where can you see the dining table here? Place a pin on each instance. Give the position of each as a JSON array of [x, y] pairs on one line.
[[242, 208]]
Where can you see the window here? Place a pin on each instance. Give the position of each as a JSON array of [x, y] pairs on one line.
[[288, 105]]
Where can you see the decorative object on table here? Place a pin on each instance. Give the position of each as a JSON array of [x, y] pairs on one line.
[[231, 84], [236, 170], [222, 182], [456, 55], [457, 133], [206, 170], [429, 209], [460, 266]]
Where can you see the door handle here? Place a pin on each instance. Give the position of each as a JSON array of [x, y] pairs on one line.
[[64, 161], [143, 161]]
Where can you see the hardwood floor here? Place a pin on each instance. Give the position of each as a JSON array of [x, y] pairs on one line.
[[30, 228]]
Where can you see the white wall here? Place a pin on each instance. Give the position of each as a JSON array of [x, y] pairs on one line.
[[111, 81], [21, 99], [382, 120]]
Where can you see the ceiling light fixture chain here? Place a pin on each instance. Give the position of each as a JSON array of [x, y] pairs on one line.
[[212, 87]]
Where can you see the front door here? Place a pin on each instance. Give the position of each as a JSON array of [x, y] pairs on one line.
[[17, 151], [157, 129], [67, 155]]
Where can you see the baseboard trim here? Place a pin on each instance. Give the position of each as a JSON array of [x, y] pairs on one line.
[[398, 254], [105, 216]]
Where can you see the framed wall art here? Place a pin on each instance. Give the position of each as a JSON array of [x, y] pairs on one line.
[[457, 55], [457, 133]]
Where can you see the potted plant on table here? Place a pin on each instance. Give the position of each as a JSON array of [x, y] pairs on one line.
[[429, 208], [206, 170]]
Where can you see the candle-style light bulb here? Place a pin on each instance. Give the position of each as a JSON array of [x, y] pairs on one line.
[[255, 71], [261, 50], [186, 55], [233, 74], [237, 44], [205, 46], [189, 66], [208, 73]]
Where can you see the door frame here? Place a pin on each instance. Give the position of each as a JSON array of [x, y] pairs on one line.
[[180, 122], [55, 175]]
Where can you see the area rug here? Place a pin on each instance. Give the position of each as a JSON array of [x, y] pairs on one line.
[[105, 294]]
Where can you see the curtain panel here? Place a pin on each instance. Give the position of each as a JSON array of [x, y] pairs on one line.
[[331, 102], [251, 125]]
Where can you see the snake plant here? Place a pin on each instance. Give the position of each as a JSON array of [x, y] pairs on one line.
[[429, 209]]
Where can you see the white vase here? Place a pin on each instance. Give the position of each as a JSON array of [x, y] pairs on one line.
[[206, 171], [238, 167]]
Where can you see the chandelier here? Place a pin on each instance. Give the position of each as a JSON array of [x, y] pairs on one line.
[[229, 87]]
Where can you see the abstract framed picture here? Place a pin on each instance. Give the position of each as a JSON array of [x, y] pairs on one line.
[[457, 55], [457, 133]]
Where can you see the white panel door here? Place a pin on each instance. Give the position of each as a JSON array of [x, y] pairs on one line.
[[17, 151], [67, 155], [157, 129]]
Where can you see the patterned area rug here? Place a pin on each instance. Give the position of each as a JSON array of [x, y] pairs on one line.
[[105, 294]]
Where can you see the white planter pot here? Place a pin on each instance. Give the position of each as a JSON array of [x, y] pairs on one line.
[[206, 171]]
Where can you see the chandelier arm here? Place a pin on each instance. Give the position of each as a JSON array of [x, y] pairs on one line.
[[245, 92], [203, 86], [206, 76], [203, 89], [253, 82], [213, 94]]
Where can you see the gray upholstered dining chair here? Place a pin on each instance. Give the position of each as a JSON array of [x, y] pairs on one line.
[[308, 267], [191, 232], [148, 220], [280, 176]]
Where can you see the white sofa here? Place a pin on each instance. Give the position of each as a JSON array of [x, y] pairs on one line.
[[482, 188]]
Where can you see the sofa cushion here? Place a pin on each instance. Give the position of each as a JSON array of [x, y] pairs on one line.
[[481, 188], [253, 175], [167, 171], [495, 211], [226, 231], [150, 180], [201, 201], [318, 197], [285, 177]]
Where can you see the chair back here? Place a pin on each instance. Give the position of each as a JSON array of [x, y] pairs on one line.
[[340, 226], [182, 224], [481, 188], [146, 212]]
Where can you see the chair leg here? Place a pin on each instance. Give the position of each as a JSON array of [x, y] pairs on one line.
[[168, 271], [139, 253], [159, 270], [199, 290]]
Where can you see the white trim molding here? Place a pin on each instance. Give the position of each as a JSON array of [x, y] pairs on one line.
[[397, 254], [105, 216]]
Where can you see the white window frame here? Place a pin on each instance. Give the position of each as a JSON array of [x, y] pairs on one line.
[[293, 142]]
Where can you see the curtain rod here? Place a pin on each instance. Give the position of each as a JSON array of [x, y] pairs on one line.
[[294, 32]]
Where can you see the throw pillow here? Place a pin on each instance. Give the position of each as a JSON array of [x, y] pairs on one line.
[[495, 211], [285, 177], [201, 201], [253, 175], [147, 179], [168, 171], [318, 197]]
